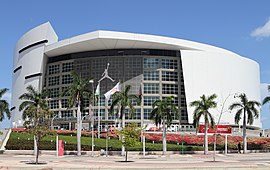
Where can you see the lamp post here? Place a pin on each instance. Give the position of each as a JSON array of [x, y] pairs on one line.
[[92, 116], [86, 114], [215, 133], [52, 121]]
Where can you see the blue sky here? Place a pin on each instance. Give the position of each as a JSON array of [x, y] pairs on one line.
[[240, 26]]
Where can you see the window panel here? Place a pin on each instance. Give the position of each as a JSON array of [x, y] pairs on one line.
[[53, 93], [53, 104], [67, 114], [64, 103], [169, 89], [149, 100], [169, 76], [146, 113], [67, 79], [67, 67], [151, 75], [150, 63], [151, 88], [169, 63], [53, 69], [53, 81]]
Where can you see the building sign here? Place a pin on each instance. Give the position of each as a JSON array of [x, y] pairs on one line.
[[223, 129]]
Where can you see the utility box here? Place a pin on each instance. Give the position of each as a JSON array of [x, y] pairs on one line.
[[61, 149]]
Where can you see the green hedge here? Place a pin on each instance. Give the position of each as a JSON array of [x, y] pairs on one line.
[[24, 141]]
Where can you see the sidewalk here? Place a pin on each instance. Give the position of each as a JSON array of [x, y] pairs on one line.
[[173, 161]]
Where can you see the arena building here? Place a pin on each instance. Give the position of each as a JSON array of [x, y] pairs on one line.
[[160, 66]]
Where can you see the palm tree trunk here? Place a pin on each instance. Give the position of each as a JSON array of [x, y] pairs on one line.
[[79, 129], [244, 134], [126, 155], [37, 147], [205, 138], [164, 144]]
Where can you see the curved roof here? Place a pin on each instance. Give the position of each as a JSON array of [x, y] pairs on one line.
[[99, 40]]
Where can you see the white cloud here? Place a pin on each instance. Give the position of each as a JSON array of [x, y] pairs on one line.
[[263, 31]]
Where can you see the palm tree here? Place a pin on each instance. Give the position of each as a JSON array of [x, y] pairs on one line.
[[162, 113], [248, 108], [123, 100], [4, 108], [266, 99], [77, 93], [35, 110], [202, 107]]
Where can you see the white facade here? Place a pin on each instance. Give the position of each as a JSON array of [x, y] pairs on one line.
[[206, 69]]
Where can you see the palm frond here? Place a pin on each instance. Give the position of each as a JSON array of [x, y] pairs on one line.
[[237, 116], [250, 118], [3, 91], [235, 106], [266, 100]]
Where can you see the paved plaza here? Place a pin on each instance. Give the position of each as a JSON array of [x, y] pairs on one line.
[[15, 160]]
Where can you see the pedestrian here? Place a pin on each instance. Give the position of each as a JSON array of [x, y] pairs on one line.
[[239, 147]]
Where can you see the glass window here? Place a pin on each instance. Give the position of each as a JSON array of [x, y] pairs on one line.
[[151, 75], [67, 79], [169, 63], [53, 69], [149, 100], [169, 89], [169, 76], [146, 113], [64, 103], [150, 62], [67, 114], [151, 88], [53, 81], [53, 92], [53, 104], [67, 67], [102, 114], [136, 115]]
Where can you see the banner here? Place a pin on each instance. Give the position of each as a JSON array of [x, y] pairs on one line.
[[112, 91], [97, 90], [222, 129]]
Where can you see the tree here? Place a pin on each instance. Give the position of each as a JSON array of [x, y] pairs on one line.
[[162, 113], [77, 92], [123, 100], [131, 135], [248, 108], [35, 111], [4, 106], [202, 107], [267, 98]]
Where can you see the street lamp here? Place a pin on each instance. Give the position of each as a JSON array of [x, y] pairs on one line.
[[215, 133], [86, 114], [92, 117], [52, 121]]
